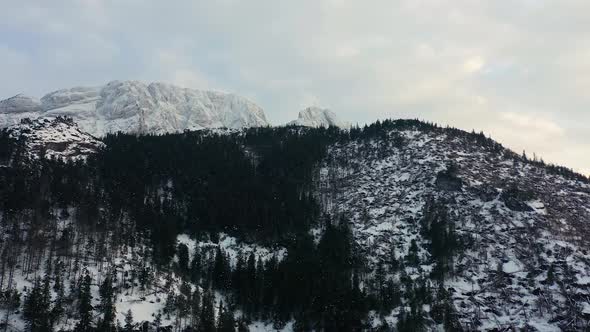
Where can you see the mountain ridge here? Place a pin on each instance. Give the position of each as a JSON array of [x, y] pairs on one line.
[[136, 107]]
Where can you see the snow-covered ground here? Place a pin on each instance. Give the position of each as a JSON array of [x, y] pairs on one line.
[[384, 189], [144, 303], [233, 248]]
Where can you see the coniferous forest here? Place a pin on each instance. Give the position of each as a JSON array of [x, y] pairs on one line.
[[66, 223], [144, 191]]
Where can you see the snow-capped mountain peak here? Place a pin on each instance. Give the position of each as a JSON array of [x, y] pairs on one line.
[[318, 117], [137, 107]]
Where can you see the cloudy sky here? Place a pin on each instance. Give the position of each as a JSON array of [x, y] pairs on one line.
[[517, 69]]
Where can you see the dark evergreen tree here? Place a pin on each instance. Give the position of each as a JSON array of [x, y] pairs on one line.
[[195, 266], [195, 306], [207, 320], [107, 306], [221, 271], [58, 309], [129, 325], [36, 308], [85, 305], [183, 258], [226, 320]]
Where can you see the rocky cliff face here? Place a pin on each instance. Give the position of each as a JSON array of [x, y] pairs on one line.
[[59, 138], [136, 107], [318, 117]]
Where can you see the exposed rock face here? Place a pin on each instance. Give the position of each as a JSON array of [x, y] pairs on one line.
[[59, 138], [136, 107], [318, 117]]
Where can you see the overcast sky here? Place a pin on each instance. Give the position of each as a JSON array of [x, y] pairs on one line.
[[516, 69]]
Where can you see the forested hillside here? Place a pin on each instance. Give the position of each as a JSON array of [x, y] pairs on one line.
[[281, 228]]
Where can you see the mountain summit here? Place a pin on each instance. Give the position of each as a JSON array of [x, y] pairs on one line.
[[136, 107], [318, 117]]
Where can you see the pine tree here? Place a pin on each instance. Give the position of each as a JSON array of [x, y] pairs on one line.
[[35, 310], [85, 305], [221, 271], [12, 302], [226, 320], [250, 285], [195, 268], [182, 307], [57, 310], [46, 304], [183, 258], [195, 307], [170, 305], [128, 321], [107, 307], [238, 282], [207, 314], [380, 284]]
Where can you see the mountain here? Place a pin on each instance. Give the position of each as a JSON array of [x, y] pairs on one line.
[[318, 117], [505, 234], [136, 107], [397, 226], [20, 104], [59, 138]]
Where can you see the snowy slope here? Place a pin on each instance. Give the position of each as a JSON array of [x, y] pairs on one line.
[[501, 280], [136, 107], [318, 117], [517, 219], [14, 109], [20, 104], [145, 303], [58, 138]]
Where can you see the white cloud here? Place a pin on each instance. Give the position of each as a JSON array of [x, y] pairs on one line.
[[189, 78], [531, 124], [473, 65], [173, 66]]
